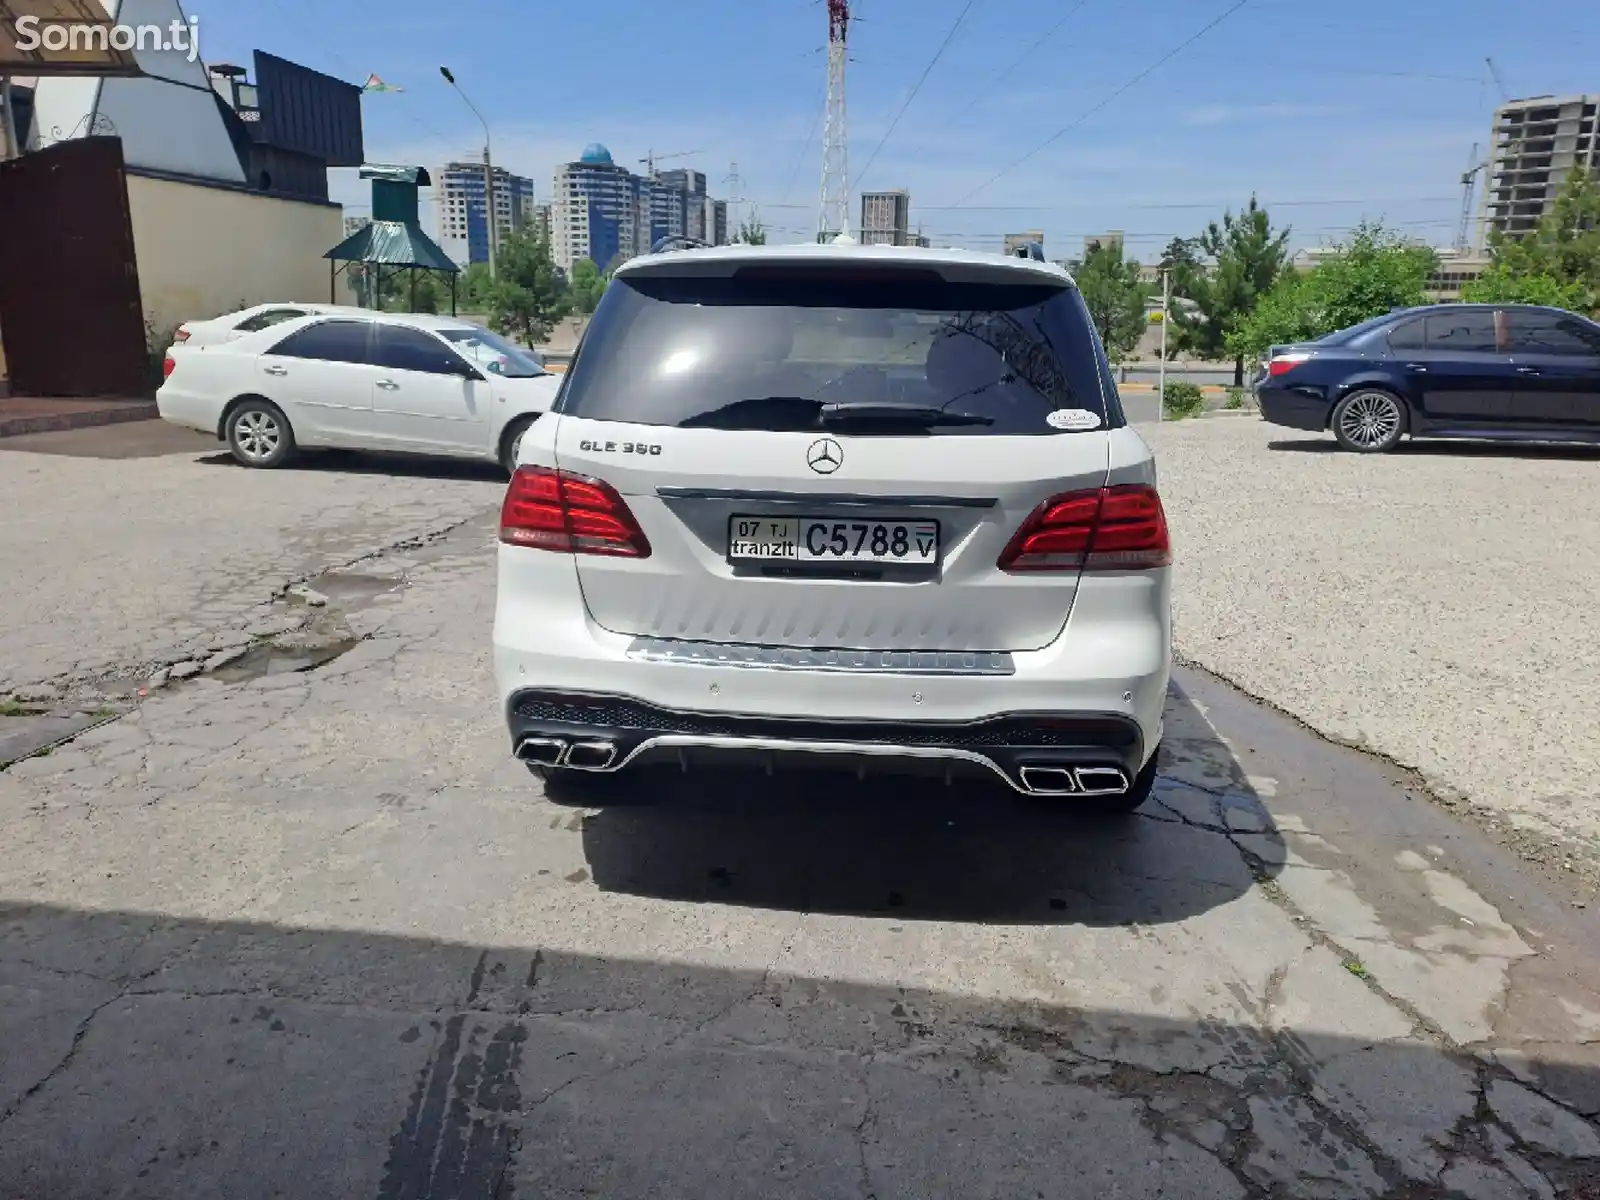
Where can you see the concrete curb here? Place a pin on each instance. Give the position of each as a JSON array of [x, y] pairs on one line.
[[82, 419]]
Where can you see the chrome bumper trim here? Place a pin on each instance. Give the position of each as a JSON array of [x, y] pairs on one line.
[[826, 499], [798, 658]]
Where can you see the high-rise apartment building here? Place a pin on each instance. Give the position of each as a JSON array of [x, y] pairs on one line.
[[607, 214], [886, 218], [601, 211], [1534, 145], [680, 190], [463, 230], [716, 220]]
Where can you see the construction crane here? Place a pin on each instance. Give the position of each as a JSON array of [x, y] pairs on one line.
[[653, 158], [1468, 179], [1502, 154], [1494, 74]]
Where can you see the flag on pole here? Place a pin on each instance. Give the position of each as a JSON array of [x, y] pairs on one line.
[[374, 84]]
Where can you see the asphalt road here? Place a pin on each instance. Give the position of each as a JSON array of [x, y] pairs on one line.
[[299, 926], [1140, 407]]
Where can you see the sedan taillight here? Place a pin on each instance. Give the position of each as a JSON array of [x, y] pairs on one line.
[[545, 509], [167, 367], [1282, 364], [1121, 528]]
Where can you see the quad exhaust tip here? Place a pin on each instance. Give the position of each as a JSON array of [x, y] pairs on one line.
[[1049, 780], [590, 756], [545, 751], [556, 752]]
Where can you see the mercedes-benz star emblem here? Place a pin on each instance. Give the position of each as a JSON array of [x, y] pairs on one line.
[[825, 456]]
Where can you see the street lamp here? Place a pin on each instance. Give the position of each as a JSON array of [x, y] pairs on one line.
[[488, 174]]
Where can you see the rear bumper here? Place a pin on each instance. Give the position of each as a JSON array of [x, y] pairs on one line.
[[188, 410], [1293, 408], [592, 732], [1093, 697]]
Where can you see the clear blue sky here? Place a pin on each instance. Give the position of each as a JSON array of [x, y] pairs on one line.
[[1329, 112]]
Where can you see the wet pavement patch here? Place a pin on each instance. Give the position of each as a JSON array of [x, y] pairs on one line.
[[349, 590], [271, 658]]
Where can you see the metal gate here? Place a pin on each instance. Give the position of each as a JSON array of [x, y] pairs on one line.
[[70, 312]]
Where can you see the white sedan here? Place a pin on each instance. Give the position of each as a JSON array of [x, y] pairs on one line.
[[248, 320], [360, 380]]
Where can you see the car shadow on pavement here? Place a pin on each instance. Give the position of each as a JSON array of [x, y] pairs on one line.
[[156, 1056], [918, 849], [1451, 448], [361, 462]]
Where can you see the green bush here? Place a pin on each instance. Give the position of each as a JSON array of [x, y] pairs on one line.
[[1182, 400], [1235, 398]]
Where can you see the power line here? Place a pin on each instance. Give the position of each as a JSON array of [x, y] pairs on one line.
[[1006, 74], [928, 70], [1069, 235], [805, 147], [1135, 81], [1212, 205]]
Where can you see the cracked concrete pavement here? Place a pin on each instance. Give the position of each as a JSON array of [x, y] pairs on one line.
[[129, 564], [313, 932], [1433, 605]]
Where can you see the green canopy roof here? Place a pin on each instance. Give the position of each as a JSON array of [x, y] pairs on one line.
[[393, 244]]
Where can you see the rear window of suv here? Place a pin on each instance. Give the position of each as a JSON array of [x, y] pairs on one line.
[[770, 348]]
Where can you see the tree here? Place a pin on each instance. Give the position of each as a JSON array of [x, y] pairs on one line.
[[430, 291], [475, 287], [528, 296], [586, 286], [1557, 263], [1501, 284], [752, 232], [1246, 256], [1372, 273], [1110, 287]]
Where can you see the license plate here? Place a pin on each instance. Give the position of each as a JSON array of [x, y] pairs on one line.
[[828, 539]]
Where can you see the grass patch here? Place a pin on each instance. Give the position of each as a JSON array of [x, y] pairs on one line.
[[10, 708], [1356, 968], [1180, 400]]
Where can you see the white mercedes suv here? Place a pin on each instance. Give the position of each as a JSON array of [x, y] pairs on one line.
[[837, 503]]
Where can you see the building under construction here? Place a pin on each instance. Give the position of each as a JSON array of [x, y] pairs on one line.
[[886, 218], [1534, 146]]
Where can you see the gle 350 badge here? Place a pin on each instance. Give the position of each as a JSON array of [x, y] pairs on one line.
[[620, 447]]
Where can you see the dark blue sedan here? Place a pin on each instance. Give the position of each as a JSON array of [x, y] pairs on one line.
[[1507, 371]]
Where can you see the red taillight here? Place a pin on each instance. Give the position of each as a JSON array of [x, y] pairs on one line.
[[1284, 363], [1119, 528], [571, 514], [167, 365], [181, 334]]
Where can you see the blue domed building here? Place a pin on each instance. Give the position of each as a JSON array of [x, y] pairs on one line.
[[607, 214], [600, 211]]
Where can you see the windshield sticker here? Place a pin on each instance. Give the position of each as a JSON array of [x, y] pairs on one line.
[[1075, 419]]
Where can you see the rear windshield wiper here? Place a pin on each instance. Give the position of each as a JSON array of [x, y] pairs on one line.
[[916, 416], [786, 414]]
